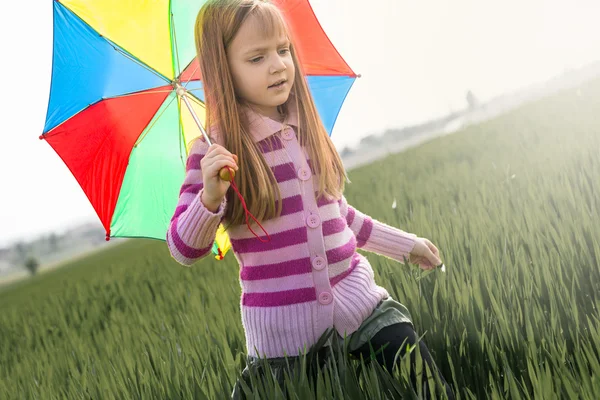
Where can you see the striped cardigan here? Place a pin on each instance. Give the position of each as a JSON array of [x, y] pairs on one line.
[[308, 277]]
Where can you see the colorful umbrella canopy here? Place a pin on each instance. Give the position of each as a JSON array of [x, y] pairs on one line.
[[115, 119]]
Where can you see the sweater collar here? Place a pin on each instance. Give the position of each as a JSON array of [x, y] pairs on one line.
[[261, 126]]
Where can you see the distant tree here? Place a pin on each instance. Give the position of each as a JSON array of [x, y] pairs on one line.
[[369, 140], [472, 100], [53, 242], [21, 250], [346, 152], [32, 265]]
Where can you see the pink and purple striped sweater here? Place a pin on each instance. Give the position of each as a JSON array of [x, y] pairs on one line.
[[309, 276]]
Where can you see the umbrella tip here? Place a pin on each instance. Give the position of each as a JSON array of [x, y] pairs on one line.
[[107, 236], [359, 75]]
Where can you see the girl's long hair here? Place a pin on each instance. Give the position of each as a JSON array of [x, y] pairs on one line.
[[216, 25]]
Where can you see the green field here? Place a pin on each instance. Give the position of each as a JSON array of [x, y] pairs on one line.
[[512, 204]]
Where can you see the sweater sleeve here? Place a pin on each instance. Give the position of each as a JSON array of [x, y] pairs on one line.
[[193, 227], [375, 236]]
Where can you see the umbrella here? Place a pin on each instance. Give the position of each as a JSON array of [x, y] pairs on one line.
[[126, 99]]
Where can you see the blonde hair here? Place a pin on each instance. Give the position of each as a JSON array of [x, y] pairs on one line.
[[216, 26]]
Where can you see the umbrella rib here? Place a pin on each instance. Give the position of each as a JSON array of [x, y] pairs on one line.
[[138, 94], [140, 63], [191, 75], [194, 99], [139, 140], [175, 42]]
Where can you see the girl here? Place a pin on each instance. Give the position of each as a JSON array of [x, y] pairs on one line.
[[304, 277]]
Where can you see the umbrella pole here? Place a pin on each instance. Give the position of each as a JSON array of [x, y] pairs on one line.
[[226, 173], [181, 92]]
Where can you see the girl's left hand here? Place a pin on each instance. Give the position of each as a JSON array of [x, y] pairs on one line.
[[425, 254]]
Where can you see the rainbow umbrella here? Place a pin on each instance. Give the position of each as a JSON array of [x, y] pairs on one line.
[[116, 119]]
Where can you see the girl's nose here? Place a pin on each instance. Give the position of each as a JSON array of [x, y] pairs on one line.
[[278, 66]]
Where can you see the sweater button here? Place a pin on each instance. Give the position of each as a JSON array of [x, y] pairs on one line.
[[325, 298], [318, 263], [288, 134], [304, 174], [313, 220]]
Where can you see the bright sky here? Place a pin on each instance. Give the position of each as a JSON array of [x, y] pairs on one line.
[[417, 60]]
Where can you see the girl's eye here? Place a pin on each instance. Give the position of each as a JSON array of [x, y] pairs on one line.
[[283, 51], [256, 59]]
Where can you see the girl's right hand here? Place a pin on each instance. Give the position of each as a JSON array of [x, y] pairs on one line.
[[216, 158]]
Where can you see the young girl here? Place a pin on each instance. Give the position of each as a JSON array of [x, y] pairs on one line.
[[305, 277]]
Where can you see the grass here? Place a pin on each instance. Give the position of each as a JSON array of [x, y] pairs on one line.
[[511, 203]]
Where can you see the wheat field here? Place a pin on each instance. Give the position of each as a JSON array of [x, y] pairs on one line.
[[511, 203]]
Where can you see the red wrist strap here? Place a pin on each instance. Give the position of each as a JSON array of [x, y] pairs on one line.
[[248, 213]]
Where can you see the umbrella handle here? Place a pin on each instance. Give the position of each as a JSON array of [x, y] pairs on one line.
[[227, 174]]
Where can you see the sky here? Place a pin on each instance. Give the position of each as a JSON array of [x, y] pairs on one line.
[[417, 60]]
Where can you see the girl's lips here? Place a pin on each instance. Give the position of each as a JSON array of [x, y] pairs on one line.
[[274, 86]]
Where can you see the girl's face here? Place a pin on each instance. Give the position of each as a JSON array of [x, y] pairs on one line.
[[257, 63]]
